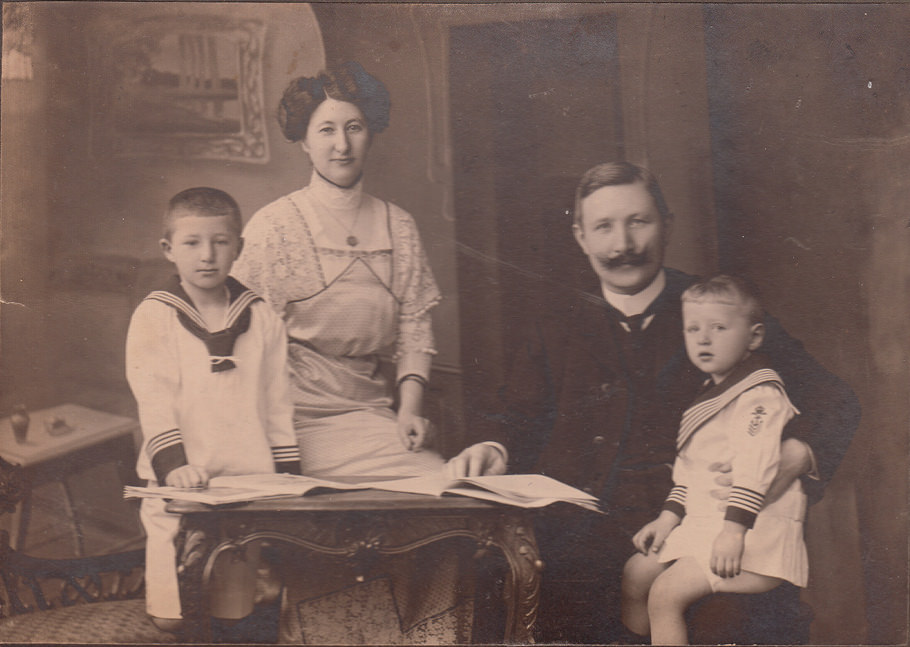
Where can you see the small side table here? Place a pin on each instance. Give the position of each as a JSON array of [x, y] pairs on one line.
[[95, 437]]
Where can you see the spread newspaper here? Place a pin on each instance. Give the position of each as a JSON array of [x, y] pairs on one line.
[[522, 490]]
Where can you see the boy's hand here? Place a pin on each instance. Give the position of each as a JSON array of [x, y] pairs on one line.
[[653, 534], [415, 432], [727, 553], [187, 476]]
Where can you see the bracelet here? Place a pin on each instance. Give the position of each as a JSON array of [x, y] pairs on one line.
[[413, 376]]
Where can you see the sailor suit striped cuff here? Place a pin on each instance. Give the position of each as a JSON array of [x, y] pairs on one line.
[[166, 453], [743, 505], [287, 459], [676, 501]]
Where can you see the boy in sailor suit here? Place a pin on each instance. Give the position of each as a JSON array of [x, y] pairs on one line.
[[696, 546], [210, 403]]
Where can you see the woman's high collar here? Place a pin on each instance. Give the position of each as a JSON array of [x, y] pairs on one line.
[[334, 196]]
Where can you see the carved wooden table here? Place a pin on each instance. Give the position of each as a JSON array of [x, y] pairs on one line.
[[358, 524]]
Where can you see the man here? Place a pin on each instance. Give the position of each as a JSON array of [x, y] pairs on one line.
[[595, 396]]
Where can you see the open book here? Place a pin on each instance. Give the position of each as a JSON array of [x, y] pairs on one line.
[[522, 490]]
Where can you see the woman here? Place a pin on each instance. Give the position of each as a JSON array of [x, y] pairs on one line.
[[348, 274]]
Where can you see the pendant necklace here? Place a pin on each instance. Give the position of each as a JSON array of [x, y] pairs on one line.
[[351, 240]]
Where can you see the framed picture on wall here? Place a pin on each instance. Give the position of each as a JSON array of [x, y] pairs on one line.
[[188, 87]]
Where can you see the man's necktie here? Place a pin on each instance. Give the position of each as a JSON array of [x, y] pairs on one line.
[[634, 322]]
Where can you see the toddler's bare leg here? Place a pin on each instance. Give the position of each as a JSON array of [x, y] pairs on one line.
[[672, 593], [637, 576], [747, 582]]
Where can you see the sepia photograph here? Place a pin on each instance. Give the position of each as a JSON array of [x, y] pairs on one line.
[[455, 323]]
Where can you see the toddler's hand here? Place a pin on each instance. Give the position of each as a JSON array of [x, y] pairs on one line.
[[727, 553], [653, 534], [187, 476]]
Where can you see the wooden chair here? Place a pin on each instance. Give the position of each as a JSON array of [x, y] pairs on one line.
[[96, 599]]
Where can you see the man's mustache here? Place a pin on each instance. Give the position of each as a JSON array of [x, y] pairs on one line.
[[630, 258]]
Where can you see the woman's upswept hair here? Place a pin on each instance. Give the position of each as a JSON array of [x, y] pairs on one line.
[[731, 290], [618, 174], [348, 82]]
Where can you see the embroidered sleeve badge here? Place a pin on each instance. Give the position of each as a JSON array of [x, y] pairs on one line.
[[758, 417]]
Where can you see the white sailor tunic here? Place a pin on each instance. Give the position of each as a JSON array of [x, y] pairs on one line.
[[215, 400], [738, 422]]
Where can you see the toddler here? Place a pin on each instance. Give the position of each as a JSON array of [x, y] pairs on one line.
[[698, 545]]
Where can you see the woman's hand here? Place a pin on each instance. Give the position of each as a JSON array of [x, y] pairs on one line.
[[727, 553], [653, 534], [415, 432], [187, 476]]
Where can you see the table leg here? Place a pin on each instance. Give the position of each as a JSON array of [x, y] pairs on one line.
[[515, 537], [20, 520], [124, 458], [69, 505], [195, 543]]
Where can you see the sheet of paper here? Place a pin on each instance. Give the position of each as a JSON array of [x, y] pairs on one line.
[[209, 496], [433, 485], [235, 489], [524, 490], [279, 483], [531, 486]]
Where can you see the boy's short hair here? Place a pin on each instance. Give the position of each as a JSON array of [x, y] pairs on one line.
[[202, 201], [731, 290]]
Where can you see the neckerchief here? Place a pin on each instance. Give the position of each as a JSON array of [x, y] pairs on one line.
[[219, 344]]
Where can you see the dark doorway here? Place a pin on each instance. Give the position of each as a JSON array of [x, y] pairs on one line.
[[534, 105]]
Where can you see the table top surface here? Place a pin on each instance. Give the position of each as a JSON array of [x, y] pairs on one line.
[[344, 501], [88, 427]]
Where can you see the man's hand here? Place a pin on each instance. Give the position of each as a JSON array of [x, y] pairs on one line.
[[477, 460], [187, 476], [795, 460], [653, 534], [724, 479], [727, 552]]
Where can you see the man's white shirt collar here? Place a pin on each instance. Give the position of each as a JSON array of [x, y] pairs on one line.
[[635, 304]]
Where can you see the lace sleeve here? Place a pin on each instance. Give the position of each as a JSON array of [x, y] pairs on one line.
[[415, 346], [417, 292], [414, 284], [255, 267]]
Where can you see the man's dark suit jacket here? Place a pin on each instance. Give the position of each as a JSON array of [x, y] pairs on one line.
[[583, 407], [591, 404]]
